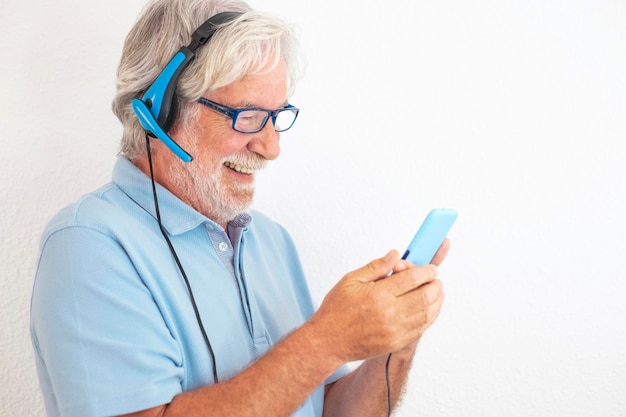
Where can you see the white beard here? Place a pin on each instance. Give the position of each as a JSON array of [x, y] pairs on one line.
[[203, 188]]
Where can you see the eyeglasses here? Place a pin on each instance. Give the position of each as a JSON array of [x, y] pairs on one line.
[[252, 120]]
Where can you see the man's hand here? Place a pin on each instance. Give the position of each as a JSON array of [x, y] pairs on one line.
[[382, 307]]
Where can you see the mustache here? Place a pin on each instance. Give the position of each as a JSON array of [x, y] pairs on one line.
[[250, 160]]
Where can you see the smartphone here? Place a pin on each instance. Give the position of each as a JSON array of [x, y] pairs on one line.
[[430, 236]]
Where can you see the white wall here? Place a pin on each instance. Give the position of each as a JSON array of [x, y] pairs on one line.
[[511, 111]]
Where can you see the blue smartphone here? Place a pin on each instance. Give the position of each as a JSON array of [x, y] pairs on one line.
[[430, 236]]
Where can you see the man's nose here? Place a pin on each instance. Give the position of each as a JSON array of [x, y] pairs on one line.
[[266, 142]]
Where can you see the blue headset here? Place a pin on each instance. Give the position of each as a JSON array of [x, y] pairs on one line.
[[157, 109]]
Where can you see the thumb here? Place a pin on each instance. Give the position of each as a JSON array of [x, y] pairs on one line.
[[377, 269]]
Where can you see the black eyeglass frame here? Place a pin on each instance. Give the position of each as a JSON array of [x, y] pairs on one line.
[[234, 114]]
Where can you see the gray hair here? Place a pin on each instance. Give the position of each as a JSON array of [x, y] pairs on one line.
[[242, 47]]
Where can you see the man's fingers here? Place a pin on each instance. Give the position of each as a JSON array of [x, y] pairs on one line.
[[378, 268], [409, 279], [441, 252]]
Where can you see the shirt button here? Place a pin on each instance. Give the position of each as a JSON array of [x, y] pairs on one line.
[[223, 246]]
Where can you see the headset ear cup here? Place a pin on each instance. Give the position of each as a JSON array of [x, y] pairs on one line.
[[152, 128], [171, 116], [158, 108]]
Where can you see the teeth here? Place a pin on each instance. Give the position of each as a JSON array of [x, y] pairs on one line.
[[239, 168]]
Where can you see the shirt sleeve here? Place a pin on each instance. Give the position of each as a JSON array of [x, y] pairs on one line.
[[102, 345]]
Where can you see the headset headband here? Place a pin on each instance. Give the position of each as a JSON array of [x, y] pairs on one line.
[[157, 109]]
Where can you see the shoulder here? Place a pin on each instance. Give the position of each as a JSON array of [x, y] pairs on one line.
[[261, 220], [268, 228], [102, 211]]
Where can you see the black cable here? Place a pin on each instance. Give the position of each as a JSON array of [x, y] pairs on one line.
[[178, 263], [193, 301], [388, 386]]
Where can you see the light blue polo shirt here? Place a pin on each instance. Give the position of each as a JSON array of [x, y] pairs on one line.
[[112, 324]]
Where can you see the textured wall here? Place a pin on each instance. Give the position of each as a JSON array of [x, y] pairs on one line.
[[512, 111]]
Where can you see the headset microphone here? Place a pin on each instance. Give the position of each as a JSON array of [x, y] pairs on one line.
[[157, 109]]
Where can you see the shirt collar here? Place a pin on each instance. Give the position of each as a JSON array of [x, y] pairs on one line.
[[176, 216]]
